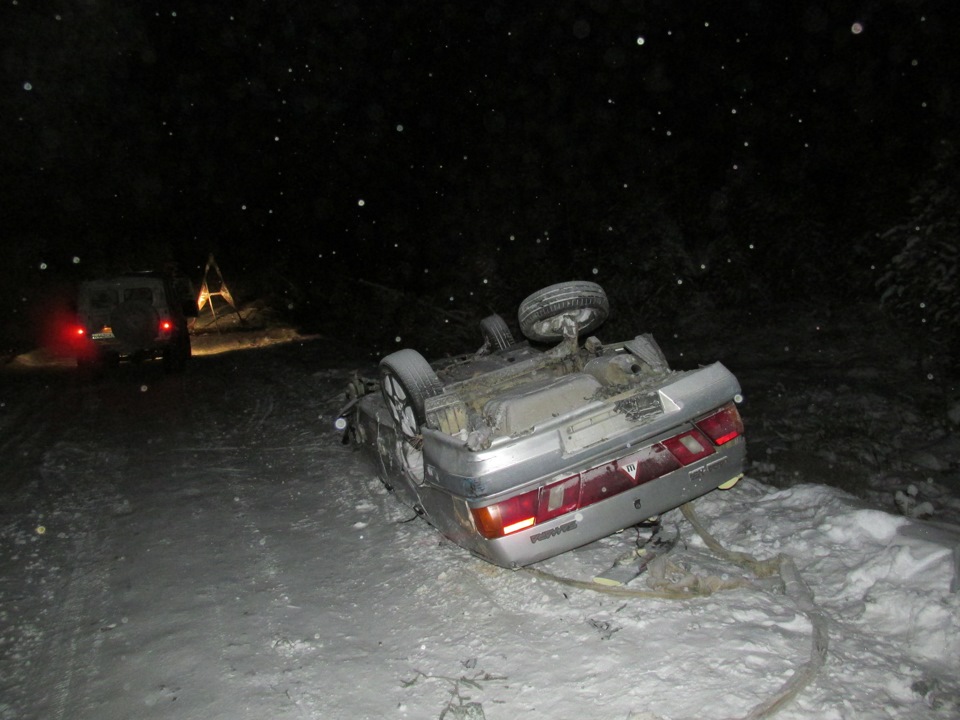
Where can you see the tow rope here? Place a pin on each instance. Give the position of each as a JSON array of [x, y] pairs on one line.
[[782, 566]]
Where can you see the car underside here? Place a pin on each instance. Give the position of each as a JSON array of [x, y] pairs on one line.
[[518, 454]]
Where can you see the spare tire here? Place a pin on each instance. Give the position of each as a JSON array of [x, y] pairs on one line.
[[541, 314], [135, 322]]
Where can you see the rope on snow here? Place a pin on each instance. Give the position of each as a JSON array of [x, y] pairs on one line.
[[793, 585]]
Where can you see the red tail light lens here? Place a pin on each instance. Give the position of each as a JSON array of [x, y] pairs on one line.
[[523, 511], [604, 481], [723, 426], [166, 326], [652, 462], [509, 516], [75, 336], [559, 498]]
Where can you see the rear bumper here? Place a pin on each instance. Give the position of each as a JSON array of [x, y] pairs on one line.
[[616, 513], [117, 348]]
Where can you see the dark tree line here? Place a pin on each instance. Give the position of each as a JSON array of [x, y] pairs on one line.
[[730, 161]]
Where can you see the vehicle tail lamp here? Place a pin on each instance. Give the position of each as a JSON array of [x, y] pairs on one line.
[[722, 426], [166, 326], [508, 516], [76, 335], [689, 447], [604, 481]]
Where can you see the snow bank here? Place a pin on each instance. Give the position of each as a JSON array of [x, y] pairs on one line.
[[210, 550]]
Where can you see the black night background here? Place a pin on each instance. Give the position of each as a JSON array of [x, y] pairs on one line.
[[278, 528], [384, 169]]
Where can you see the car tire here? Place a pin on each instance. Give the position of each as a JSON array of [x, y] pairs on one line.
[[406, 381], [135, 322], [496, 333], [542, 313]]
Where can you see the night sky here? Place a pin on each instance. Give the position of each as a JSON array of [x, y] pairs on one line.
[[464, 154]]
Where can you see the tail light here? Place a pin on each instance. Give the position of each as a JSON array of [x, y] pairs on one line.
[[75, 335], [722, 426], [559, 498], [508, 516], [689, 447], [604, 481], [166, 326]]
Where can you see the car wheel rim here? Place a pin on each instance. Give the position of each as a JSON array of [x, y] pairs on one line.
[[553, 326], [401, 410]]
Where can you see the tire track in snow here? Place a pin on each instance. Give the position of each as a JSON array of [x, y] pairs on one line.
[[76, 662], [28, 415], [64, 468], [254, 625], [69, 656], [236, 639], [21, 429]]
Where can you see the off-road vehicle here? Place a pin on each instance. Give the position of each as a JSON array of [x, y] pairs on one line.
[[135, 316]]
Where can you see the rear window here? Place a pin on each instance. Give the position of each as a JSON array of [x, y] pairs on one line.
[[103, 299], [143, 293]]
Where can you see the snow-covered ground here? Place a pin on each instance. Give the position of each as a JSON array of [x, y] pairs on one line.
[[203, 546]]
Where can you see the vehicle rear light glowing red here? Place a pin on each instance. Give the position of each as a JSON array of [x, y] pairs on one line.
[[723, 426], [604, 481], [76, 336], [166, 326], [507, 516]]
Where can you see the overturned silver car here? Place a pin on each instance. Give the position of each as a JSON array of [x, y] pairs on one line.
[[518, 454]]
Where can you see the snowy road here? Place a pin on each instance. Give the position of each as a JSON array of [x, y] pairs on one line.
[[203, 547]]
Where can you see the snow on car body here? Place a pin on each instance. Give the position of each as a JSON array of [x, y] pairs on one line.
[[518, 455]]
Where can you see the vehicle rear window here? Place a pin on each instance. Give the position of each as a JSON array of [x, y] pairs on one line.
[[102, 299], [143, 293]]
